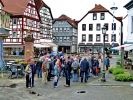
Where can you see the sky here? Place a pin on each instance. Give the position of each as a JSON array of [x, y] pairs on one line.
[[76, 9]]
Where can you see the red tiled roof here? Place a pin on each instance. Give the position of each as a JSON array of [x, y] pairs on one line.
[[100, 8], [2, 3], [39, 4], [15, 7], [64, 17], [3, 35]]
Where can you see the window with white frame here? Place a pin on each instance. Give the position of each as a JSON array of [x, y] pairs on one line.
[[32, 35], [53, 29], [68, 29], [56, 29], [14, 34], [60, 38], [132, 25], [64, 38], [15, 21], [62, 22], [57, 38], [41, 30], [27, 22], [59, 22], [64, 29], [37, 36], [32, 11], [32, 23], [68, 38], [60, 29], [37, 24], [53, 38]]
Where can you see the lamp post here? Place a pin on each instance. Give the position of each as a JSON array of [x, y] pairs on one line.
[[113, 8], [103, 72]]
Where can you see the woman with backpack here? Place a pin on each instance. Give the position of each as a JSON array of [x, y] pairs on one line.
[[95, 68], [75, 69]]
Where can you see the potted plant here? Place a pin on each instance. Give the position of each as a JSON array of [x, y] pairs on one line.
[[24, 63], [16, 61]]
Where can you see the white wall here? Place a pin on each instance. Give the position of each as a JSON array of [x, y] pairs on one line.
[[130, 36], [89, 20], [125, 29]]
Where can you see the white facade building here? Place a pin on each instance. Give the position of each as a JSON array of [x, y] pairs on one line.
[[90, 37], [129, 7], [125, 29]]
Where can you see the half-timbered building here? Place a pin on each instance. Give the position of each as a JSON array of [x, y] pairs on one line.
[[25, 16]]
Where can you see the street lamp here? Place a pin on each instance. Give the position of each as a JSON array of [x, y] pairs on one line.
[[103, 72]]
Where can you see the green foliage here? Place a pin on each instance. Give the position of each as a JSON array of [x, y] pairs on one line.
[[118, 71], [111, 70], [118, 66], [118, 60], [124, 77]]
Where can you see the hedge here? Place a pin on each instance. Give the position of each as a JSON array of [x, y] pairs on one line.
[[111, 70], [124, 77], [118, 71]]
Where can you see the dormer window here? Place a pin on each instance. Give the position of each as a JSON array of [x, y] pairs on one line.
[[102, 16], [94, 16]]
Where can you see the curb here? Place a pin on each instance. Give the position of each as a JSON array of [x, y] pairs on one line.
[[108, 85]]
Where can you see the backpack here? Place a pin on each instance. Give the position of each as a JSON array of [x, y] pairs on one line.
[[75, 67]]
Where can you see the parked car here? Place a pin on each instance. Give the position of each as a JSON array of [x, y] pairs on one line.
[[54, 53]]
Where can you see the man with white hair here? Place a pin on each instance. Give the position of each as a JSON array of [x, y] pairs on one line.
[[33, 68], [75, 68], [45, 70]]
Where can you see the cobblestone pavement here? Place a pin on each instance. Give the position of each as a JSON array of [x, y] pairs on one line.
[[64, 93]]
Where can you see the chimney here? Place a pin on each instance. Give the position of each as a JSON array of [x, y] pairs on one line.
[[95, 5]]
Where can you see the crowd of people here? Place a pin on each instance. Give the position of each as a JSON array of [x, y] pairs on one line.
[[56, 67]]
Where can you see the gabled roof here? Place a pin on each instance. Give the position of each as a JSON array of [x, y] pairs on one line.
[[2, 3], [64, 17], [40, 3], [15, 7], [100, 8]]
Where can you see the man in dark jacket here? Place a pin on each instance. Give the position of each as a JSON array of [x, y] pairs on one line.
[[92, 60], [39, 66], [84, 68], [55, 60], [33, 69], [106, 63], [67, 72], [62, 60], [51, 63]]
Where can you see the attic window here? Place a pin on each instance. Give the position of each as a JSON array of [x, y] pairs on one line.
[[94, 16], [102, 16]]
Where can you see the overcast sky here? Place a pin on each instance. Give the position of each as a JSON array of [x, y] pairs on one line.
[[76, 9]]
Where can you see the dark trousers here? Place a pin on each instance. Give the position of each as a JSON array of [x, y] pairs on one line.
[[49, 76], [32, 80], [39, 72], [82, 75], [27, 80], [67, 73], [106, 67]]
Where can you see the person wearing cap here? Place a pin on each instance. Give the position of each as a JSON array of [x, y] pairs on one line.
[[45, 69]]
